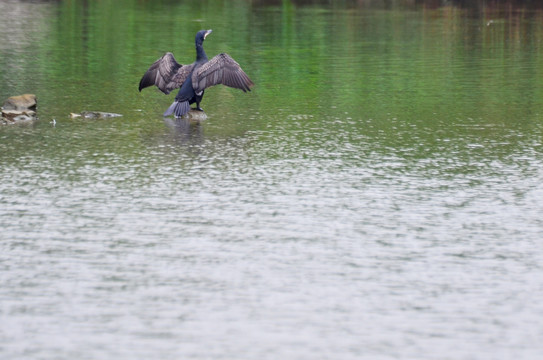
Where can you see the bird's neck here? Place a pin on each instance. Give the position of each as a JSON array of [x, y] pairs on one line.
[[200, 53]]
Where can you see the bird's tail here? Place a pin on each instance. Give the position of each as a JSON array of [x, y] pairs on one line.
[[178, 108]]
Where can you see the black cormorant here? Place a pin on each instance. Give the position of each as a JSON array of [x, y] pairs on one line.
[[193, 79]]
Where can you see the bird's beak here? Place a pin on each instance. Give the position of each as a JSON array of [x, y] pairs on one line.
[[207, 33]]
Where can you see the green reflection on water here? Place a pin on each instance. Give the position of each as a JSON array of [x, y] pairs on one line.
[[396, 76]]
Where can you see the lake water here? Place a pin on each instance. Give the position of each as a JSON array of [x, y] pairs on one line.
[[378, 195]]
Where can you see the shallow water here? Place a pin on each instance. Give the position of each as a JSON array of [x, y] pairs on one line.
[[378, 195]]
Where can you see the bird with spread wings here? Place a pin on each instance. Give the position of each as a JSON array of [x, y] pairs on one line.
[[167, 75]]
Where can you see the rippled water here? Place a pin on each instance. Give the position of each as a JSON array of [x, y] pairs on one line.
[[376, 198]]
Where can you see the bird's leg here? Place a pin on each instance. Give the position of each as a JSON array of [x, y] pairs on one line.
[[197, 99]]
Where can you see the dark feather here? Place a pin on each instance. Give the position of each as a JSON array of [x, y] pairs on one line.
[[178, 108], [222, 69], [166, 73]]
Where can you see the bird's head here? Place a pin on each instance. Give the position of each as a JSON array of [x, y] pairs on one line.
[[201, 36]]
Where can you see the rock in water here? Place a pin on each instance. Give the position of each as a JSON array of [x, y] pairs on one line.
[[17, 116], [196, 115], [18, 109], [21, 102], [94, 115], [13, 115]]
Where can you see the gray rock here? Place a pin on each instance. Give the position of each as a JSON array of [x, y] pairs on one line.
[[23, 118], [195, 115], [94, 115]]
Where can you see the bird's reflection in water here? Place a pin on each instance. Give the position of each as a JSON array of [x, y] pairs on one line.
[[186, 131]]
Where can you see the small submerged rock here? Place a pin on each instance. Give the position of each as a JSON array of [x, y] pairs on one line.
[[19, 109], [94, 115], [18, 115]]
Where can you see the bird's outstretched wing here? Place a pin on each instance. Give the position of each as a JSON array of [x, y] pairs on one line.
[[166, 73], [222, 69]]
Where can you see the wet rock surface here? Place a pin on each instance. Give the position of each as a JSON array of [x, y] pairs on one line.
[[94, 115], [195, 115], [18, 115]]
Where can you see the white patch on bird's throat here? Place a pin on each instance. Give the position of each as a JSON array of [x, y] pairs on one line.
[[199, 93]]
